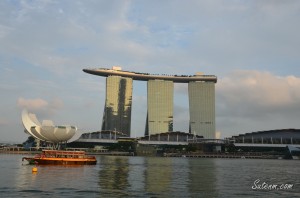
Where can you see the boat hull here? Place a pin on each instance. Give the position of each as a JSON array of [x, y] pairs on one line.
[[61, 161], [59, 157]]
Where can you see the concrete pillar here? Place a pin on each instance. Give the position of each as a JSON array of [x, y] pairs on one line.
[[271, 140]]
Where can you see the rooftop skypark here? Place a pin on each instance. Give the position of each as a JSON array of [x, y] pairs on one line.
[[116, 71]]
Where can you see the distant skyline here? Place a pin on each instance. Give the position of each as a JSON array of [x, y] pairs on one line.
[[251, 46]]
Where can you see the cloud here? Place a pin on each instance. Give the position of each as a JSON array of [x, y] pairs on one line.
[[81, 35], [199, 34], [40, 105], [255, 100], [56, 104], [4, 30], [261, 89], [32, 104], [3, 122]]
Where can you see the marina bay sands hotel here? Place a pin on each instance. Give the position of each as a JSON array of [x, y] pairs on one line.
[[160, 94]]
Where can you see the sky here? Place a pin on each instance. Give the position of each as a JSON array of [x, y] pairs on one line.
[[253, 47]]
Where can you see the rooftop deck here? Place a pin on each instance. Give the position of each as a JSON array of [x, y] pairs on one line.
[[146, 76]]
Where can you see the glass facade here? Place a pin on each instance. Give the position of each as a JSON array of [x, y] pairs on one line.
[[202, 108], [160, 97], [117, 110], [160, 106]]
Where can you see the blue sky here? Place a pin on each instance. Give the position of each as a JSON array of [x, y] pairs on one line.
[[251, 46]]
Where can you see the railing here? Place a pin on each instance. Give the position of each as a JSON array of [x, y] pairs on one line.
[[206, 141]]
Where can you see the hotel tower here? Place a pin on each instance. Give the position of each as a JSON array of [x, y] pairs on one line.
[[160, 97]]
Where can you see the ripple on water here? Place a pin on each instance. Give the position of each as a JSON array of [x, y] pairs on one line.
[[116, 176]]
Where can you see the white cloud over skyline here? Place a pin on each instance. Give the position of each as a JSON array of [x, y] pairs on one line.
[[32, 104], [258, 96], [252, 46], [40, 105]]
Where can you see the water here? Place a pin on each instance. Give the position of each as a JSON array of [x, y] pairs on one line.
[[116, 176]]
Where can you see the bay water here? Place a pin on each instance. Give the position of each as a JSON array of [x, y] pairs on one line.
[[129, 176]]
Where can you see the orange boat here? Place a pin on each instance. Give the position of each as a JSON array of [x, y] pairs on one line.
[[57, 157]]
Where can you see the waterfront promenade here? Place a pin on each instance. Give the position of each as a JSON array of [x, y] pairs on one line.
[[232, 155], [242, 155], [20, 150]]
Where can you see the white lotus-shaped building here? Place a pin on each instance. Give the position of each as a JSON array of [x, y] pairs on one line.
[[46, 131]]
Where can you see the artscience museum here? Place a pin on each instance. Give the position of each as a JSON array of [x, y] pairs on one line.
[[46, 131]]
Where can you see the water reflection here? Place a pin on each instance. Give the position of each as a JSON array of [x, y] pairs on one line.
[[152, 176], [113, 175], [202, 177], [180, 177], [158, 174], [125, 176], [136, 174], [46, 176]]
